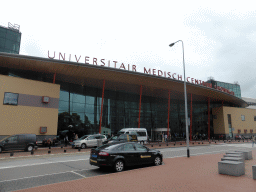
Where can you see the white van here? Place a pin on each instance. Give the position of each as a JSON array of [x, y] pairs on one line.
[[142, 133]]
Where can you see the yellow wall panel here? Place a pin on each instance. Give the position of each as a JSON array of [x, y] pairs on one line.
[[20, 119], [28, 119], [29, 87]]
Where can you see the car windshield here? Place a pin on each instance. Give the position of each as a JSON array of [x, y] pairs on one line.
[[83, 137], [5, 138]]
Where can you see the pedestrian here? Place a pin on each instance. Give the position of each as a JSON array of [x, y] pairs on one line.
[[253, 140], [165, 136], [66, 140]]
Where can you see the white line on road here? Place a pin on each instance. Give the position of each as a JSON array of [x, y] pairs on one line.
[[78, 174], [48, 175], [43, 163]]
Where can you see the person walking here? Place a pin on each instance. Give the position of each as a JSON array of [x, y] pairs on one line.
[[253, 140]]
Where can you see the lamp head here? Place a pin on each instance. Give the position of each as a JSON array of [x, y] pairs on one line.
[[171, 44]]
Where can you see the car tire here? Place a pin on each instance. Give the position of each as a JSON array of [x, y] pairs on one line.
[[83, 146], [30, 148], [119, 166], [157, 161]]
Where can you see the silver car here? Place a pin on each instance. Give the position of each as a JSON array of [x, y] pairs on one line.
[[89, 141]]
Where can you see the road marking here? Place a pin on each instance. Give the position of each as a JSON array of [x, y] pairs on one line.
[[49, 175], [43, 163], [78, 174]]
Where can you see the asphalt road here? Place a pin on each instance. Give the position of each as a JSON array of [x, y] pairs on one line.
[[27, 172]]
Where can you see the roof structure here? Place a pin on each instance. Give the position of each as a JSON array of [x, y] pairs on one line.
[[116, 79]]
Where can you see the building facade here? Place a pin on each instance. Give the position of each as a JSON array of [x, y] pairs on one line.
[[10, 38], [232, 87], [234, 121], [93, 98]]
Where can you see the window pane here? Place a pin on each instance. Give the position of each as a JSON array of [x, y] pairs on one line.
[[2, 42], [64, 95]]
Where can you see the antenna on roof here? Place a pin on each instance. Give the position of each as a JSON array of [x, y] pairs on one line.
[[15, 27]]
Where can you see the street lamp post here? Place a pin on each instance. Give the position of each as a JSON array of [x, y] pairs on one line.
[[185, 95]]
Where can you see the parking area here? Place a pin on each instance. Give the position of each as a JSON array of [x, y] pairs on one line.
[[197, 173]]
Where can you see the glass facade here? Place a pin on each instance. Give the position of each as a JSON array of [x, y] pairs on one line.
[[232, 87], [80, 106], [9, 40]]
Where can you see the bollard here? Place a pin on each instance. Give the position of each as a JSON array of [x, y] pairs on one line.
[[65, 150], [11, 154], [32, 152], [49, 147], [174, 144], [49, 152], [215, 141], [79, 149]]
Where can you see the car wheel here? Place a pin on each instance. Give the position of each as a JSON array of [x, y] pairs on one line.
[[30, 148], [157, 161], [119, 166], [83, 146]]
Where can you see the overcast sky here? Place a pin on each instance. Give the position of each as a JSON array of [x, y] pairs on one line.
[[219, 37]]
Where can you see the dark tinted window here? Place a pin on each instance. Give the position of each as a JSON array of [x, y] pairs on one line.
[[129, 147], [13, 139], [108, 147], [120, 148], [122, 137], [22, 138], [141, 133], [140, 147]]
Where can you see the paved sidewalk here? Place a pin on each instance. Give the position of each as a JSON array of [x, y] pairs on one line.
[[197, 173]]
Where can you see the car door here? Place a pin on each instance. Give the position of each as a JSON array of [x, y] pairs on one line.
[[22, 141], [142, 154], [129, 154], [12, 143], [92, 141]]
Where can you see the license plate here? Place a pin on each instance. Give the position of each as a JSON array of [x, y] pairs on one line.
[[95, 156]]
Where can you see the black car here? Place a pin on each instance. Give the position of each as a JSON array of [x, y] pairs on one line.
[[120, 155], [25, 142]]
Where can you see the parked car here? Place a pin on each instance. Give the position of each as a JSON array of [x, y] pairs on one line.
[[120, 155], [124, 138], [25, 142], [89, 141]]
